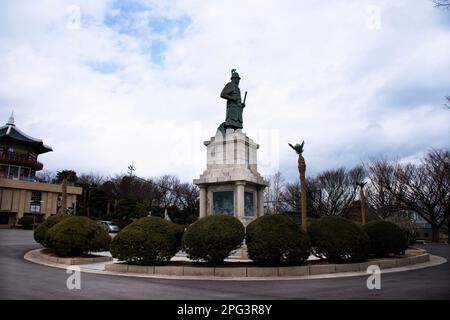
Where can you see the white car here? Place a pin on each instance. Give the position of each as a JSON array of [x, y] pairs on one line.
[[109, 226]]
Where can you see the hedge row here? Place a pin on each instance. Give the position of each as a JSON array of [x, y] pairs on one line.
[[150, 240], [40, 234], [213, 238], [386, 238], [270, 240], [71, 235], [276, 239]]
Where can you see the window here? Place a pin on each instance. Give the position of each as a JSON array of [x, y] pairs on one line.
[[35, 203], [13, 172], [223, 202], [3, 171], [248, 204], [24, 173], [35, 209]]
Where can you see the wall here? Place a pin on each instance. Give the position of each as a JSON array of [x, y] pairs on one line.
[[15, 198]]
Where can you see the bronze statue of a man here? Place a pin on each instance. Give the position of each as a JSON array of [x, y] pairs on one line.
[[235, 106]]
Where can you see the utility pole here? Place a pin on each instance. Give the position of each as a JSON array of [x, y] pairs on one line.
[[131, 168]]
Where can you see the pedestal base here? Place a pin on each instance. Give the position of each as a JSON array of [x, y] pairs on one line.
[[231, 183]]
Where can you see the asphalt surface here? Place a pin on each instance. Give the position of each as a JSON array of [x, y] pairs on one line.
[[21, 279]]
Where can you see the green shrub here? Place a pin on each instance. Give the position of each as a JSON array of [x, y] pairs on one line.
[[77, 235], [26, 222], [213, 238], [337, 239], [386, 238], [40, 234], [407, 225], [276, 239], [149, 240]]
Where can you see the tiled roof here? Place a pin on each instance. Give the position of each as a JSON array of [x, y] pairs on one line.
[[10, 132]]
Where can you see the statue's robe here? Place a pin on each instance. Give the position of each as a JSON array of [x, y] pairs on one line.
[[234, 108]]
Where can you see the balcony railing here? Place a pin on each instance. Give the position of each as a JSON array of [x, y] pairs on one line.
[[20, 159]]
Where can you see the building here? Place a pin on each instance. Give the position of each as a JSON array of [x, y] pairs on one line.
[[20, 193], [424, 230]]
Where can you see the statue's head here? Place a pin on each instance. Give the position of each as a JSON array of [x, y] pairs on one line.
[[234, 75]]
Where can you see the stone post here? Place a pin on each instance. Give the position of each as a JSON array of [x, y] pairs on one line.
[[202, 201], [64, 196], [362, 199], [260, 204], [240, 205]]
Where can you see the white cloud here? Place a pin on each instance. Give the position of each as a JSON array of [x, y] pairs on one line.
[[312, 71]]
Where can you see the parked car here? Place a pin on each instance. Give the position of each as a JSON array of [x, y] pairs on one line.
[[109, 226]]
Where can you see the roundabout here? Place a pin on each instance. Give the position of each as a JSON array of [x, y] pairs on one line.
[[415, 259], [27, 280]]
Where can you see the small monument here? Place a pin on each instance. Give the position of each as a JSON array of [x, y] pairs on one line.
[[231, 183]]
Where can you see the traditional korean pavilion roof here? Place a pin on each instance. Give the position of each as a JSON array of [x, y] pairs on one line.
[[10, 133]]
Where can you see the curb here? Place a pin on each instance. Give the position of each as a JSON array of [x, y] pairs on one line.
[[263, 272], [40, 254], [286, 273]]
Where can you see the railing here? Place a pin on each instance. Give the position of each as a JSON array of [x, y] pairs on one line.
[[20, 159]]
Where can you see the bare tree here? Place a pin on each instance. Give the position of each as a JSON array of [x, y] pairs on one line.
[[153, 195], [421, 188], [337, 189], [166, 186], [447, 105], [382, 187], [144, 191], [91, 179], [290, 197], [426, 189], [45, 176], [273, 192], [187, 195]]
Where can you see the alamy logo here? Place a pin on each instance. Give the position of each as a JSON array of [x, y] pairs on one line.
[[374, 280], [73, 17], [374, 17], [73, 281]]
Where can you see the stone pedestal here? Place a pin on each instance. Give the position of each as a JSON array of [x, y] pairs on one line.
[[231, 183]]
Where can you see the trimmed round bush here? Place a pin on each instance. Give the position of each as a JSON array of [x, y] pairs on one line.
[[26, 222], [40, 234], [75, 236], [407, 226], [275, 240], [213, 238], [149, 240], [386, 238], [337, 240]]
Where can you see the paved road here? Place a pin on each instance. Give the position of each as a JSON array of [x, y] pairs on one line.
[[20, 279]]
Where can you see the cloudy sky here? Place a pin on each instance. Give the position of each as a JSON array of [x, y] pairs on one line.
[[106, 83]]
